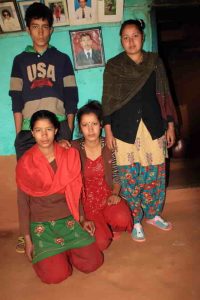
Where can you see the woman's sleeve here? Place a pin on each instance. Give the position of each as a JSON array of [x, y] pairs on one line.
[[106, 120], [16, 86], [70, 89], [23, 211], [164, 95]]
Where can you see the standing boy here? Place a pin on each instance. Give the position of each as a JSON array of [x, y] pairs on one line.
[[42, 78]]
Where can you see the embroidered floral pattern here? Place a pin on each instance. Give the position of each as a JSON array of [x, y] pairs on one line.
[[161, 142], [130, 157], [144, 189], [70, 224], [53, 223], [97, 190], [59, 241], [144, 150], [149, 158], [58, 238], [137, 143], [39, 230]]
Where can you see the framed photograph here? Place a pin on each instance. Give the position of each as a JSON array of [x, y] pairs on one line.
[[23, 5], [9, 17], [60, 12], [82, 11], [110, 10], [87, 48]]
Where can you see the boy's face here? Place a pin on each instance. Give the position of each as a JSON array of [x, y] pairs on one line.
[[40, 33]]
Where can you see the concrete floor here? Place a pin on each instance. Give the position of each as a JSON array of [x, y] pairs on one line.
[[165, 267]]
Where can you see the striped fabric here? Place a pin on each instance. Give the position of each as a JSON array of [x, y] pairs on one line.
[[44, 81]]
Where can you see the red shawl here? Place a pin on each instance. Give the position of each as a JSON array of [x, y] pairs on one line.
[[35, 176]]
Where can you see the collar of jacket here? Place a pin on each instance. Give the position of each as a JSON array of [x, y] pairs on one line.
[[30, 49]]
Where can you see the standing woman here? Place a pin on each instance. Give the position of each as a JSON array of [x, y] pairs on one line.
[[49, 186], [139, 119]]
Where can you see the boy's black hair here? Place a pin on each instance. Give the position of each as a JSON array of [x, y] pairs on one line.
[[38, 11], [93, 106], [44, 115]]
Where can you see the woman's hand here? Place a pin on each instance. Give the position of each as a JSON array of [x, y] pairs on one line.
[[64, 143], [111, 141], [88, 226], [113, 200], [28, 247], [170, 135]]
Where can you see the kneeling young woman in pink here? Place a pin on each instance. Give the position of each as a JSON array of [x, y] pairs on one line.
[[101, 199], [49, 183]]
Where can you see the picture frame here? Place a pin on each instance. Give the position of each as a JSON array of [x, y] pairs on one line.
[[60, 12], [87, 48], [23, 5], [110, 10], [82, 12], [9, 17]]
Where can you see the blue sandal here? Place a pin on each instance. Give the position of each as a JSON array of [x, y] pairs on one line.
[[138, 234], [158, 222]]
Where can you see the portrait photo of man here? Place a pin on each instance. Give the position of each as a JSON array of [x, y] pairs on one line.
[[84, 11], [87, 48], [88, 55]]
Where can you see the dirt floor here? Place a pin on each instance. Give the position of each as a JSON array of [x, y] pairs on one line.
[[165, 267]]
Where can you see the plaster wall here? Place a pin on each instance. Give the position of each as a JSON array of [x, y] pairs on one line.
[[89, 81]]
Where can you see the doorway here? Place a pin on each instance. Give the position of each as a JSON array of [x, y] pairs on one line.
[[178, 35]]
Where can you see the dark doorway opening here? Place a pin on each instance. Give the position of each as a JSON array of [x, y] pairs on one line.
[[178, 30]]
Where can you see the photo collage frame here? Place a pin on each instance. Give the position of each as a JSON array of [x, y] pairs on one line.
[[87, 44], [65, 12]]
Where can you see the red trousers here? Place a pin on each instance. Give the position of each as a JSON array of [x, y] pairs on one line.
[[113, 218], [57, 268]]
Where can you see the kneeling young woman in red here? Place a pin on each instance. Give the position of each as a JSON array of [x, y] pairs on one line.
[[101, 198], [49, 181]]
